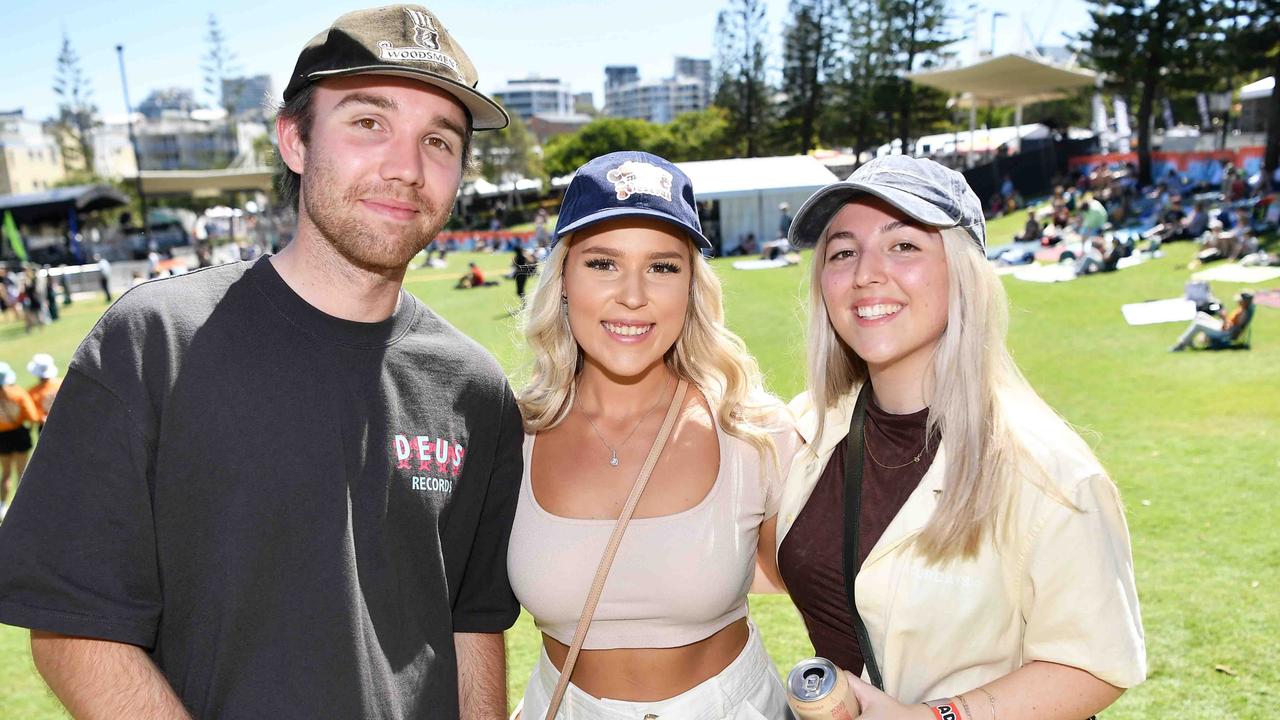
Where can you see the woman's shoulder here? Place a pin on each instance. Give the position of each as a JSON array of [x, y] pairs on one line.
[[801, 406], [1055, 447]]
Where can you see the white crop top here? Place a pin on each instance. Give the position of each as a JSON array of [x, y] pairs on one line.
[[677, 578]]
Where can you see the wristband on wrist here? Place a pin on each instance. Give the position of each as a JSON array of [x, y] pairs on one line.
[[945, 710]]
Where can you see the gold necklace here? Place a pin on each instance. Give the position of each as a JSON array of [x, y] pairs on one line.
[[613, 453], [867, 446]]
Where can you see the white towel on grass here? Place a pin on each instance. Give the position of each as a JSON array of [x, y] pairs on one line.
[[1237, 274], [1046, 273], [1159, 311]]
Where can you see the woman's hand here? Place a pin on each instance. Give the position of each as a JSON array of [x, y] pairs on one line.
[[876, 705]]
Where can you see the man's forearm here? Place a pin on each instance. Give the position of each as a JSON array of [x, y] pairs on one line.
[[104, 679], [482, 675]]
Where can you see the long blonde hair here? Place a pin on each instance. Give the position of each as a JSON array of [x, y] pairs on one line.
[[707, 354], [972, 374]]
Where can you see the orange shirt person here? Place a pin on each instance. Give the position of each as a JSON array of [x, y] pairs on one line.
[[42, 393], [16, 410]]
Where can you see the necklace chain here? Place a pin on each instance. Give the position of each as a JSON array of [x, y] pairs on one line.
[[913, 460], [613, 453]]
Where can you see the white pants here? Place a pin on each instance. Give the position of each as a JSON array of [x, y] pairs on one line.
[[747, 689]]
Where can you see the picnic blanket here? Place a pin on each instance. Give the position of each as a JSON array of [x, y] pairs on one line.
[[1270, 298], [1238, 274], [1134, 259], [1159, 311], [762, 264], [1045, 273]]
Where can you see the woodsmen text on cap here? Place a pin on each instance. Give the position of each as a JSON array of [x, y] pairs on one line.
[[402, 40]]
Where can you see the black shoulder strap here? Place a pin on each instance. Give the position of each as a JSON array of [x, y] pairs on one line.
[[853, 459]]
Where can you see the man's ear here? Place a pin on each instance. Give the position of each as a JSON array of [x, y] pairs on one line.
[[292, 150]]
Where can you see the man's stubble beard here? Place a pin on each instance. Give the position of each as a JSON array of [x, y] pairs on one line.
[[331, 206]]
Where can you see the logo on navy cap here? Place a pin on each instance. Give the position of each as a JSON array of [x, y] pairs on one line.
[[640, 178]]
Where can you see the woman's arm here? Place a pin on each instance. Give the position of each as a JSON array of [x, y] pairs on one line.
[[1041, 690], [767, 578]]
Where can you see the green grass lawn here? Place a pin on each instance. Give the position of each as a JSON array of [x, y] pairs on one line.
[[1192, 439]]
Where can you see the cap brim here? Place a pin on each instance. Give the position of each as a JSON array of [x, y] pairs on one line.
[[619, 212], [817, 211], [485, 113]]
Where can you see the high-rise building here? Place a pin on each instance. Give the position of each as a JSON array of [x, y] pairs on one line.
[[694, 67], [619, 75], [660, 101], [112, 151], [30, 160], [248, 96], [173, 100], [535, 96], [204, 140]]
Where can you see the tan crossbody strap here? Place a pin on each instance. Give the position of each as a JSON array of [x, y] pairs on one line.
[[610, 550]]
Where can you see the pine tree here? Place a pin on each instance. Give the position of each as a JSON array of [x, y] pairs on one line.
[[863, 85], [77, 115], [507, 155], [1149, 47], [740, 69], [916, 37], [808, 61], [221, 84]]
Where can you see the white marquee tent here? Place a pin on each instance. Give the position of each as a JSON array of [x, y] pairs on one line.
[[749, 191], [1258, 90]]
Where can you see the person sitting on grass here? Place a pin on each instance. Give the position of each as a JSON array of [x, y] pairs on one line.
[[1032, 231], [1173, 225], [1094, 258], [1231, 243], [1059, 223], [473, 279], [1219, 333]]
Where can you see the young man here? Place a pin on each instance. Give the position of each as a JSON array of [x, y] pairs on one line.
[[284, 489]]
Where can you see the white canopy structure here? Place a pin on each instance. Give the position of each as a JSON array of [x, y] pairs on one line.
[[749, 191], [480, 187], [1007, 80], [207, 183], [1258, 90]]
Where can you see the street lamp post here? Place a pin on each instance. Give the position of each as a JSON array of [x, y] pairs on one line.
[[995, 16], [133, 140]]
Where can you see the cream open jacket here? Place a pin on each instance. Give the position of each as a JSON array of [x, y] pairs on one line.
[[1059, 588]]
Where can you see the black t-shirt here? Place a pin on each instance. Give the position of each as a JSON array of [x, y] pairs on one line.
[[291, 512]]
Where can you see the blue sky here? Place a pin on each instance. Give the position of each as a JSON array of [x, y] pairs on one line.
[[570, 39]]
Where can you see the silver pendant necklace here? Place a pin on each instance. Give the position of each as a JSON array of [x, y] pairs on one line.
[[613, 453]]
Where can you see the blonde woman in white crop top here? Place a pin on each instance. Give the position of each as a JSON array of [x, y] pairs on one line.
[[626, 307]]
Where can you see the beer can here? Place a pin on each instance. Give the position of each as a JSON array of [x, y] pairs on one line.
[[817, 690]]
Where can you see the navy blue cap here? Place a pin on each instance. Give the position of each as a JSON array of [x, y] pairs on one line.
[[926, 191], [630, 184]]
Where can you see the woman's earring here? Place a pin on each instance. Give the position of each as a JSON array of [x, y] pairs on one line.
[[564, 306]]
